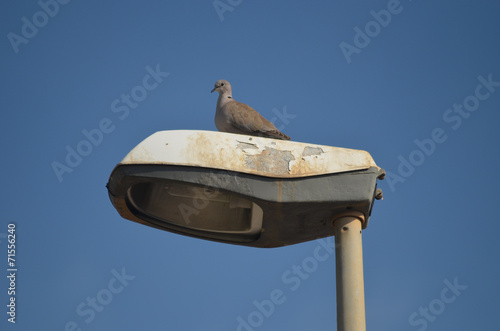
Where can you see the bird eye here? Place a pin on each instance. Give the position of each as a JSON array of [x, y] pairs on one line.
[[222, 84]]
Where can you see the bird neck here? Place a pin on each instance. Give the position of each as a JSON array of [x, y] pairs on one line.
[[224, 98]]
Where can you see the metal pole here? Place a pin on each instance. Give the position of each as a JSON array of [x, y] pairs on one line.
[[349, 273]]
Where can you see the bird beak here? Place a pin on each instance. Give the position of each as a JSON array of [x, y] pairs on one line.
[[214, 89]]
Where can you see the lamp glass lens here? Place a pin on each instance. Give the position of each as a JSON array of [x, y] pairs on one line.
[[195, 207]]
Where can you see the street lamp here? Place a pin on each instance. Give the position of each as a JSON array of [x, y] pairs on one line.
[[253, 191]]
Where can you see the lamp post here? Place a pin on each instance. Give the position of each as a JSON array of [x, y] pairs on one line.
[[349, 272], [257, 192]]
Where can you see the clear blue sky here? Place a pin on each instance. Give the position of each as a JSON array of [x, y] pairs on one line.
[[415, 83]]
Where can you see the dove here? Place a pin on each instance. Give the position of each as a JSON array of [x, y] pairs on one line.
[[236, 117]]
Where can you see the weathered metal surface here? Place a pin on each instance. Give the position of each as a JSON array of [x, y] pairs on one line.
[[246, 154]]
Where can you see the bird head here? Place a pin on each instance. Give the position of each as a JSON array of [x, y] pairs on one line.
[[222, 86]]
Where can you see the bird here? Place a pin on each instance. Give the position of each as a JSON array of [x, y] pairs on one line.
[[236, 117]]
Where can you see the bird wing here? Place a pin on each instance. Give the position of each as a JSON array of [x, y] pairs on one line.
[[246, 119]]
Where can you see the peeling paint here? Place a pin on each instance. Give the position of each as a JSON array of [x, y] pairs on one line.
[[270, 160], [308, 150], [243, 145]]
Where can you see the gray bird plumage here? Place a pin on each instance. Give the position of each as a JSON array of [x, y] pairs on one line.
[[236, 117]]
